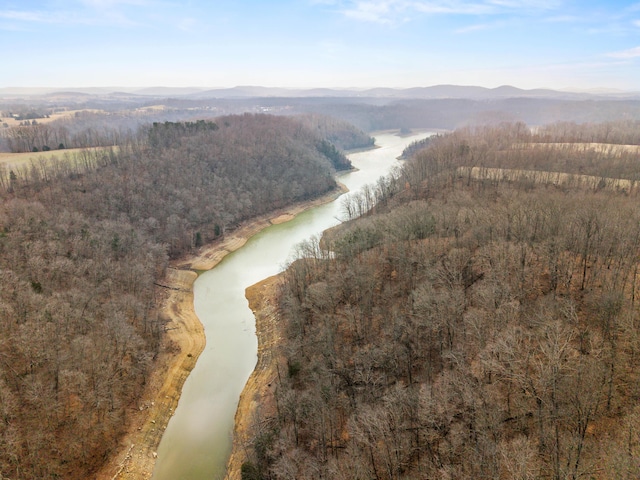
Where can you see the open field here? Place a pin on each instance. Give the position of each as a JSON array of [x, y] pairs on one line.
[[15, 161], [603, 175], [554, 178], [597, 147], [12, 122]]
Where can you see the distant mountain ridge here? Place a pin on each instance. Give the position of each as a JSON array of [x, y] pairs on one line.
[[247, 91]]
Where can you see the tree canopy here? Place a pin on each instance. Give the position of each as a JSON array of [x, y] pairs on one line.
[[466, 323], [85, 240]]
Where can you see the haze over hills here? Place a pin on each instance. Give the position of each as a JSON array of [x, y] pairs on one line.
[[438, 106], [238, 92]]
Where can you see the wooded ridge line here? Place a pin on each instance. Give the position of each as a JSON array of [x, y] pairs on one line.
[[84, 246], [443, 278], [464, 326]]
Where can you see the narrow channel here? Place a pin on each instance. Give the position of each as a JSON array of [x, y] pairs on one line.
[[197, 441]]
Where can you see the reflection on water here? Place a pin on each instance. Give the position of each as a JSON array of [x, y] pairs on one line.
[[197, 442]]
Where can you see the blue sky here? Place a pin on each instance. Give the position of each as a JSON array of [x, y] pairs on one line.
[[320, 43]]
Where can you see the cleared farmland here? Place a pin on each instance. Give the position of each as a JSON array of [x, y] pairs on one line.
[[19, 161]]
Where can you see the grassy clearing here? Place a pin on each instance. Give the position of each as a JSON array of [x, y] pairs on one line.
[[12, 122], [553, 178], [594, 182], [597, 147], [19, 160]]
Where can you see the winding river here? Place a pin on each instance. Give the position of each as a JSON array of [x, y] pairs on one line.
[[197, 441]]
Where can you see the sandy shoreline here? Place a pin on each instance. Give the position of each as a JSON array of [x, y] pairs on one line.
[[183, 343]]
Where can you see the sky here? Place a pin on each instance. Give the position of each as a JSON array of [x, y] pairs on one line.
[[529, 44]]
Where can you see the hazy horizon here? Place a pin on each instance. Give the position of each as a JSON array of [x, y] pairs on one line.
[[321, 43], [245, 90]]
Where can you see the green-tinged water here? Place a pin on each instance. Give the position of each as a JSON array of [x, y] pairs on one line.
[[197, 441]]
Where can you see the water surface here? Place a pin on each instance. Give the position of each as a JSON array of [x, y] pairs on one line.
[[197, 442]]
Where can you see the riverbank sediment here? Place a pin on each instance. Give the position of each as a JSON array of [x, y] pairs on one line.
[[183, 343], [257, 399]]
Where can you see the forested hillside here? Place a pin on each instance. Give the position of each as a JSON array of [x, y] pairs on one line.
[[114, 126], [105, 121], [83, 243], [338, 132], [379, 113], [466, 327]]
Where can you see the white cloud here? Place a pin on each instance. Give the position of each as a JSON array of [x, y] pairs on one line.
[[459, 8], [475, 28], [187, 24], [391, 11], [36, 16], [626, 54], [565, 19], [105, 4], [28, 16], [526, 4], [84, 12], [378, 11], [25, 16]]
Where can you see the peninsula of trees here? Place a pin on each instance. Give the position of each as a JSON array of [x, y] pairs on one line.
[[84, 243], [478, 318]]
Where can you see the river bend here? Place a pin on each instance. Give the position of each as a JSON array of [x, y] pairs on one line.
[[197, 441]]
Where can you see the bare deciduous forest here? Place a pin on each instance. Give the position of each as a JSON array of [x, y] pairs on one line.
[[466, 326], [84, 243], [475, 318]]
